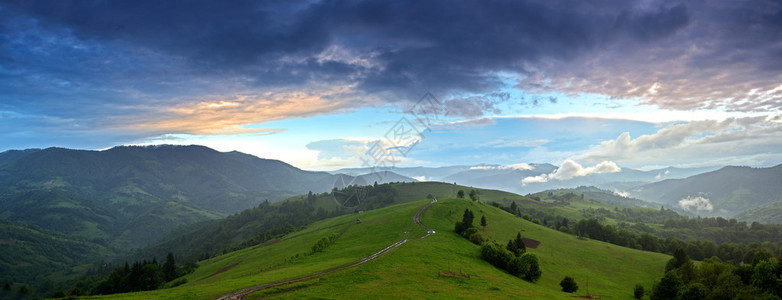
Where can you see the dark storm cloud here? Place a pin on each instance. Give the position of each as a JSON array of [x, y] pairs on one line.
[[441, 45], [111, 61]]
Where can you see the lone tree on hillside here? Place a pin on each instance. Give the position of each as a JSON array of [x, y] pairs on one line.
[[473, 195], [483, 221], [568, 284], [531, 267], [460, 194]]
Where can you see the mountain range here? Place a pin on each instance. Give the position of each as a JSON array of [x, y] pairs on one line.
[[126, 197], [726, 192], [509, 178]]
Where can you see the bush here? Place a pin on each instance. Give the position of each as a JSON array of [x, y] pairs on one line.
[[469, 232], [668, 287], [496, 255], [638, 292], [531, 267], [695, 291], [75, 292], [177, 282], [516, 267], [568, 284], [477, 238]]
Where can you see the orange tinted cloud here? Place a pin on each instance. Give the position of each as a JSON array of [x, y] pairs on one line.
[[232, 115]]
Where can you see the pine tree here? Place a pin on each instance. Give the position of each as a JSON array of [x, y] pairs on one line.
[[169, 268], [516, 246], [467, 218], [483, 221]]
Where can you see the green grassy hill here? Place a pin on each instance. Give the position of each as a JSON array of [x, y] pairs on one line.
[[411, 271], [259, 224]]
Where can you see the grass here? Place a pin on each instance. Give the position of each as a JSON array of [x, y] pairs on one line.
[[411, 271], [257, 265]]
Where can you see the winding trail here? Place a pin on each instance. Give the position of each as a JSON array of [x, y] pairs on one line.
[[240, 294]]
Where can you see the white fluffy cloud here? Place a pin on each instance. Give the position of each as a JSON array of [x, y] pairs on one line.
[[570, 169], [737, 141], [696, 203], [519, 167]]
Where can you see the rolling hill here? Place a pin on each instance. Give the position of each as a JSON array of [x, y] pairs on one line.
[[411, 270]]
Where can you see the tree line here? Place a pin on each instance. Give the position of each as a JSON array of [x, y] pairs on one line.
[[750, 238], [715, 279], [142, 276]]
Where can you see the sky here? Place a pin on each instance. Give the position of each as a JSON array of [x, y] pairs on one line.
[[325, 85]]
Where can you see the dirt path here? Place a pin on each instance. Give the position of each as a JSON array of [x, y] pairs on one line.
[[417, 220], [218, 272], [240, 294]]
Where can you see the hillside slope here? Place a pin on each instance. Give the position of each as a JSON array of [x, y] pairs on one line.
[[268, 220]]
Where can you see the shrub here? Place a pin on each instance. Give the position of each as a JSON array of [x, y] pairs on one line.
[[496, 255], [568, 284], [177, 282], [531, 267], [477, 238], [638, 292], [469, 232]]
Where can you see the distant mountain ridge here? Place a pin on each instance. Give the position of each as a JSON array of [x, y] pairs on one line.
[[127, 196], [509, 178], [729, 190]]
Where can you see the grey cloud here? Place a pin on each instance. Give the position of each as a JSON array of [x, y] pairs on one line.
[[94, 60]]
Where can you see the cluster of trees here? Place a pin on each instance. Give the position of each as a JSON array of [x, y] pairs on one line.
[[521, 264], [466, 229], [512, 258], [473, 195], [714, 279], [141, 276]]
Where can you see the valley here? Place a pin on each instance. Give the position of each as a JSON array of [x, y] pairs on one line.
[[267, 248]]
